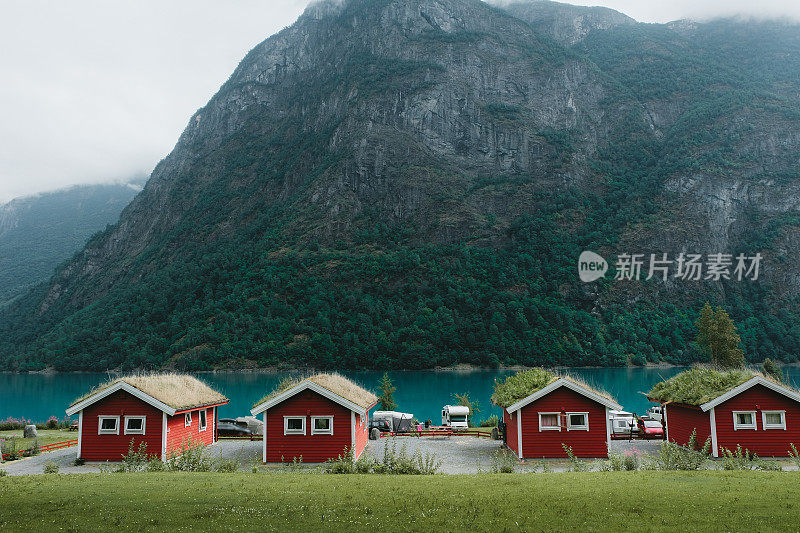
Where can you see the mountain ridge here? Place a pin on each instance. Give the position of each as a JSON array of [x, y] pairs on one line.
[[409, 183]]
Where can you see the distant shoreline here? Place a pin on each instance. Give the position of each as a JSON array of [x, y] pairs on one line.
[[465, 368]]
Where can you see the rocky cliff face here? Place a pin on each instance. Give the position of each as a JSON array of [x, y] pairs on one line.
[[408, 131]]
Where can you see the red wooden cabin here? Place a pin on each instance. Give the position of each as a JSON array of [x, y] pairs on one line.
[[160, 410], [315, 419], [563, 412], [759, 414]]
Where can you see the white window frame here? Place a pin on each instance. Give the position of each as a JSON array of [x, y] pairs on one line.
[[737, 426], [201, 414], [135, 431], [101, 431], [581, 427], [287, 431], [315, 431], [550, 428], [187, 419], [766, 426]]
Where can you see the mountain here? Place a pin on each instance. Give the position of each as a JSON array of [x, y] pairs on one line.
[[409, 184], [38, 233]]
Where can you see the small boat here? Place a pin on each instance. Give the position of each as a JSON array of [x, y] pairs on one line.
[[622, 422], [655, 413]]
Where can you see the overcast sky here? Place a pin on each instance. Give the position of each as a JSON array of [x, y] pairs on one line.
[[99, 90]]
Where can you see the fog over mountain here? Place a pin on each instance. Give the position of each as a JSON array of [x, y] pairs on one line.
[[95, 88]]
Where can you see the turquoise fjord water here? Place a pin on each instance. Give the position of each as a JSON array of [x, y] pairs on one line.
[[36, 397]]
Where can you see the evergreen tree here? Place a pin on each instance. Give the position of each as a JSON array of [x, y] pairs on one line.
[[717, 337], [386, 398]]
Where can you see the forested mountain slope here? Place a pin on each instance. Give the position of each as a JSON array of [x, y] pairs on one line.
[[409, 183], [38, 233]]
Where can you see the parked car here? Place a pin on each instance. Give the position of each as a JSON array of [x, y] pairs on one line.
[[229, 427], [650, 429]]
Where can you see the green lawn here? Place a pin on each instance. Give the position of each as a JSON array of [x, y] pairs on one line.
[[650, 501], [46, 436]]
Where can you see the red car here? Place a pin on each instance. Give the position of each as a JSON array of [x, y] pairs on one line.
[[650, 429]]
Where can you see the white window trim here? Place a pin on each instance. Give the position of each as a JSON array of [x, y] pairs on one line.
[[136, 431], [187, 419], [287, 431], [315, 431], [550, 428], [737, 426], [200, 420], [101, 431], [766, 426], [582, 427]]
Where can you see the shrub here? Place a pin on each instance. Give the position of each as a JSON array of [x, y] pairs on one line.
[[155, 464], [136, 460], [503, 462], [401, 463], [575, 464], [794, 455], [672, 456], [13, 423], [744, 460], [394, 462], [9, 447], [33, 449], [50, 468], [490, 422], [343, 464], [544, 465], [52, 423], [79, 461], [189, 458], [629, 461]]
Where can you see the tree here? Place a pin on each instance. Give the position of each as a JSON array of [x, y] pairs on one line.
[[386, 398], [717, 337], [772, 369], [474, 409]]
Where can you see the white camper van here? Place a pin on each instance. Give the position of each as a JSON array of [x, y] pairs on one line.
[[455, 416]]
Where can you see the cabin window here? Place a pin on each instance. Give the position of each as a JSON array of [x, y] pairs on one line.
[[774, 419], [134, 425], [744, 420], [108, 425], [187, 419], [549, 422], [294, 425], [322, 425], [577, 421], [203, 420]]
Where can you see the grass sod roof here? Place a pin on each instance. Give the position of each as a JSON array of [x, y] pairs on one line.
[[526, 382], [335, 383], [179, 391], [699, 385]]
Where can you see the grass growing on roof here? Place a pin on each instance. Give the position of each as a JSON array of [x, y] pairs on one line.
[[335, 383], [524, 383], [179, 391], [701, 384]]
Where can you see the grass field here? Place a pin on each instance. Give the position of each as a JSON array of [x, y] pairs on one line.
[[46, 436], [601, 501]]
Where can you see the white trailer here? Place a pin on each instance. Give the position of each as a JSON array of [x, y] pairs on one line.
[[455, 416]]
